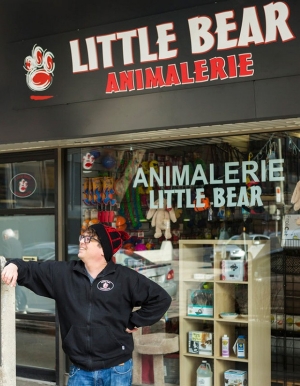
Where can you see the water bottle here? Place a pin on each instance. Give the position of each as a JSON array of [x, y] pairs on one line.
[[204, 374]]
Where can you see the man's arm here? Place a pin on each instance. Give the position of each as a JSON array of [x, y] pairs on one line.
[[153, 301], [38, 277], [9, 274]]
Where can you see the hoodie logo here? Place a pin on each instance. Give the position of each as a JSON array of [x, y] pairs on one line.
[[105, 285]]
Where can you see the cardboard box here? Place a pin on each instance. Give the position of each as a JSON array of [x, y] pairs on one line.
[[200, 303], [200, 342], [232, 270], [235, 378]]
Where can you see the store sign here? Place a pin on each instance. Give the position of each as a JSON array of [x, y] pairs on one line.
[[22, 185], [196, 47], [177, 184]]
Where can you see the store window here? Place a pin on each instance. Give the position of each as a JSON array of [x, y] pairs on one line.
[[27, 185], [27, 231], [222, 215]]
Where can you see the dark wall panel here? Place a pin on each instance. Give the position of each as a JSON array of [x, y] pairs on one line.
[[225, 103], [278, 97]]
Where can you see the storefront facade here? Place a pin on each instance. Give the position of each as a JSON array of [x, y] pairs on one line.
[[190, 113]]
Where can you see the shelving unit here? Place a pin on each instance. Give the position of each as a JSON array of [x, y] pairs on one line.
[[193, 260]]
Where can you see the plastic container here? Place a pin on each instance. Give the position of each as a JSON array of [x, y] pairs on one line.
[[225, 346], [204, 375]]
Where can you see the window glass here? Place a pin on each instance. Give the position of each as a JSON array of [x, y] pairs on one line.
[[29, 238], [232, 203], [27, 184], [35, 344]]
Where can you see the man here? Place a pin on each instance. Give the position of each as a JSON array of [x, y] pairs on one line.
[[95, 300]]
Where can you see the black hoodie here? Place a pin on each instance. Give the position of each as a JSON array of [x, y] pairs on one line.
[[93, 317]]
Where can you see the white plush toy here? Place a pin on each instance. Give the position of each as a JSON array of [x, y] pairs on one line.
[[161, 218], [296, 197]]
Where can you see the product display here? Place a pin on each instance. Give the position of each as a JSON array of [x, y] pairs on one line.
[[200, 303], [230, 331], [225, 346], [235, 378], [204, 375], [233, 270], [200, 342], [239, 347], [229, 315]]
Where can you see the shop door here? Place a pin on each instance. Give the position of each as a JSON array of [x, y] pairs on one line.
[[27, 231]]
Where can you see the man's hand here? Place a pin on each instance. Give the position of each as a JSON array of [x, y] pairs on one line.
[[9, 274], [131, 331]]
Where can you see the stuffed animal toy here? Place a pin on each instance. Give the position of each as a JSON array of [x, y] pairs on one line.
[[296, 197], [161, 218]]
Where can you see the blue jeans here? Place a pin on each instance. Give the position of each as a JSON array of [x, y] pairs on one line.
[[115, 376]]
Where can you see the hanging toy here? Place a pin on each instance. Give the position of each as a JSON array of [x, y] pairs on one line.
[[199, 161], [86, 194], [161, 218], [130, 213], [89, 158], [109, 161], [152, 165], [272, 156], [121, 223], [119, 187], [91, 192], [205, 202], [138, 206], [85, 222], [108, 191], [96, 181], [145, 167], [178, 212], [221, 213]]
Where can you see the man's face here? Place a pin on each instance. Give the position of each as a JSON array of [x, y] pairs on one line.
[[89, 248]]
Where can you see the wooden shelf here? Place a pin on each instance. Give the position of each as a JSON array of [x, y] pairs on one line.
[[257, 325]]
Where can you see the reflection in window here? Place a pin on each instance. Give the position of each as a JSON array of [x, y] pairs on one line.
[[35, 343], [27, 184]]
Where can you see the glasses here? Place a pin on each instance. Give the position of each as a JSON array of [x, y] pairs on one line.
[[87, 239]]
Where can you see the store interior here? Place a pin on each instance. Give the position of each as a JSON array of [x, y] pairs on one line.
[[256, 175]]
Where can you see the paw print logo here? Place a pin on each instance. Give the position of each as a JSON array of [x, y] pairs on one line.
[[39, 67]]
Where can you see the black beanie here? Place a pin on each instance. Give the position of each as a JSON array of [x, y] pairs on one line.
[[110, 238]]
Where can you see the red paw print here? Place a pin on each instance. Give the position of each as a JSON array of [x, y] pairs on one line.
[[39, 67]]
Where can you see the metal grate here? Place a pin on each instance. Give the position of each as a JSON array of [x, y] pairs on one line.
[[285, 318]]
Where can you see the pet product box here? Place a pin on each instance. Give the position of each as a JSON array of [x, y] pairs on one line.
[[235, 378], [200, 342], [233, 270], [200, 302]]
